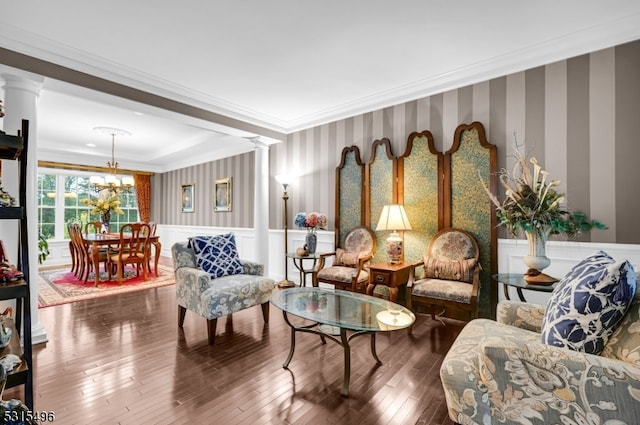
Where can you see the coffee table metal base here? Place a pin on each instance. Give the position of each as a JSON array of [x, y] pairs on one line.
[[314, 328]]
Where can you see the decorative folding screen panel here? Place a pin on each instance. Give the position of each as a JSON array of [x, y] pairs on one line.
[[420, 192], [349, 193], [467, 206], [438, 191], [380, 173]]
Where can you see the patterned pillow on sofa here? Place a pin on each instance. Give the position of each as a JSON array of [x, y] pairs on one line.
[[588, 303], [217, 255]]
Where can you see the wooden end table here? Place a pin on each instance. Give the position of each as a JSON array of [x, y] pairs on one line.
[[391, 275]]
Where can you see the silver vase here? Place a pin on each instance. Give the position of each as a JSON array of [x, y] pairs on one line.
[[536, 260]]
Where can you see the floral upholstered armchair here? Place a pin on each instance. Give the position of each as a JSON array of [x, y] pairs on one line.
[[501, 373], [350, 268], [212, 281], [446, 280]]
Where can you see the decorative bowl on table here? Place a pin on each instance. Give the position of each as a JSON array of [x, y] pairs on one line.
[[393, 318], [311, 302]]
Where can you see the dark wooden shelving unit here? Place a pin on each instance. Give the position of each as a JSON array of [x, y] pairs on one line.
[[15, 148]]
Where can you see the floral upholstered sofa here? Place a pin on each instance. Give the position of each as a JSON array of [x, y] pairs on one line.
[[207, 291], [499, 372]]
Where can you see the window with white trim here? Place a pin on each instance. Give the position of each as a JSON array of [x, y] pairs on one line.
[[60, 194]]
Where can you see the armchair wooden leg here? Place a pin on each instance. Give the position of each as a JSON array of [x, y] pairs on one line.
[[182, 311], [353, 288], [265, 311], [211, 330]]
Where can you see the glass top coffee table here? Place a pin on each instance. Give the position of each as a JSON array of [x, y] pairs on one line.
[[340, 316]]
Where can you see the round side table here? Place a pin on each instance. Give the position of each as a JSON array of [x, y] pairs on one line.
[[516, 280], [298, 261]]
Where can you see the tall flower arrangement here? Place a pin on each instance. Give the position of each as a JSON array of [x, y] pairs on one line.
[[311, 221], [105, 204], [533, 204]]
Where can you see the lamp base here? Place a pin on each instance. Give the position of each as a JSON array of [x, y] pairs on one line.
[[286, 284], [394, 248]]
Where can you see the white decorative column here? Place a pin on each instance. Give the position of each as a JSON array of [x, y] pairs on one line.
[[261, 203], [20, 99]]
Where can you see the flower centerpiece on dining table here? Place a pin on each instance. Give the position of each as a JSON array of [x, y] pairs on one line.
[[311, 222], [104, 205], [533, 205]]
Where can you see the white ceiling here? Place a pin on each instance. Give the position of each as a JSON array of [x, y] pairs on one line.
[[276, 66]]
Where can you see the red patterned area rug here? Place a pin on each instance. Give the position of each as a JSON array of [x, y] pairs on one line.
[[60, 286]]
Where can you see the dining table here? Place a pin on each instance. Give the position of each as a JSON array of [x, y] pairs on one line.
[[98, 240]]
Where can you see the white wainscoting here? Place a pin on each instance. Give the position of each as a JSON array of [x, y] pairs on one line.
[[511, 252], [563, 256], [58, 254], [244, 241], [59, 250]]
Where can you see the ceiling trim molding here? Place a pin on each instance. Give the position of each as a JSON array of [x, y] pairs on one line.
[[67, 166], [51, 70], [32, 53], [602, 36], [50, 156], [76, 67]]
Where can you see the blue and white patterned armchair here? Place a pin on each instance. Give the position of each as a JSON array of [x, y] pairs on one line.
[[212, 298], [501, 373]]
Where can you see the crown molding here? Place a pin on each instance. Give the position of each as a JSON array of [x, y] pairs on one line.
[[598, 37], [590, 39]]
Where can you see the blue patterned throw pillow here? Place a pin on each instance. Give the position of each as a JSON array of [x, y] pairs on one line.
[[217, 255], [588, 303]]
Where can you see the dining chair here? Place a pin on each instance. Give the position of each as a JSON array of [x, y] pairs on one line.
[[96, 228], [133, 249], [85, 254], [156, 246], [78, 256], [93, 227], [73, 251]]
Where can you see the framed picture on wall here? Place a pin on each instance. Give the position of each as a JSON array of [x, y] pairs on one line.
[[186, 197], [222, 194]]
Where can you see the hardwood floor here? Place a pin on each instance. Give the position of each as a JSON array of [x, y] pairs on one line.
[[123, 360]]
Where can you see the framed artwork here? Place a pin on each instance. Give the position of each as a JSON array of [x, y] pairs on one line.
[[222, 194], [186, 197]]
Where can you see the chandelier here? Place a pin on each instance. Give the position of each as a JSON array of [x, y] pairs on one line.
[[111, 181]]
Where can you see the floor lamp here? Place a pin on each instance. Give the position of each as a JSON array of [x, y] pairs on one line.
[[285, 283]]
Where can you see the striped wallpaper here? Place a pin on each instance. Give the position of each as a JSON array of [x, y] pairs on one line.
[[166, 201], [576, 116]]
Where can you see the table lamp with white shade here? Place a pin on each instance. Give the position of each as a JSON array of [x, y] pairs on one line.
[[394, 218]]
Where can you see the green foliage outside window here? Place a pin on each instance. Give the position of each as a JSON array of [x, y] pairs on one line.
[[53, 225], [46, 205]]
